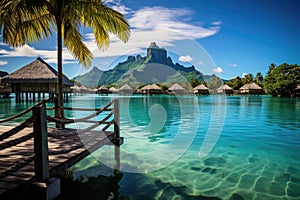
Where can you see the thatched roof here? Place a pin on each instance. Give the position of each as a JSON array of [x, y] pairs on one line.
[[102, 88], [75, 87], [113, 89], [79, 88], [201, 87], [251, 86], [37, 71], [151, 87], [224, 87], [125, 87], [176, 87]]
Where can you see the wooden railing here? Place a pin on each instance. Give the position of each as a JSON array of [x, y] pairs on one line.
[[39, 120], [35, 121]]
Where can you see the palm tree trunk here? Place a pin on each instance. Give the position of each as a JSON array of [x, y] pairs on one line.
[[59, 67]]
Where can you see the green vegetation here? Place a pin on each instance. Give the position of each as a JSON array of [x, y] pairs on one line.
[[237, 82], [282, 80], [90, 79], [29, 21], [156, 67]]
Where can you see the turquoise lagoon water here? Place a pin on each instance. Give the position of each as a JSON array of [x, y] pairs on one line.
[[213, 147]]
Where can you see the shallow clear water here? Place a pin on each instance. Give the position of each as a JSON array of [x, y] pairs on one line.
[[234, 147]]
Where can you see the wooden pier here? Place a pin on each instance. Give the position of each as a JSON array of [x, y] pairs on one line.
[[32, 154]]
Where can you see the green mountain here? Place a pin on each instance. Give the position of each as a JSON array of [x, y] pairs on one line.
[[90, 79], [155, 67]]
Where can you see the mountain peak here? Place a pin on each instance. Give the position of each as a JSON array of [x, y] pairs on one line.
[[138, 69], [153, 46], [156, 54]]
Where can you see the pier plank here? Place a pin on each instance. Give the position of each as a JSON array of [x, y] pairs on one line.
[[20, 154]]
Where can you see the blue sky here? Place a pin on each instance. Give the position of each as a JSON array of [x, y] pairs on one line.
[[229, 38]]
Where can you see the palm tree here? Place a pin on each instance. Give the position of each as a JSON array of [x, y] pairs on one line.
[[248, 78], [26, 21]]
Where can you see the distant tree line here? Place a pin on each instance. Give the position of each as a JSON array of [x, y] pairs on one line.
[[280, 80], [238, 82]]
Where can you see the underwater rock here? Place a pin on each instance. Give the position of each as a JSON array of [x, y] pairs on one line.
[[213, 171], [295, 179], [214, 161], [253, 158], [283, 178], [196, 168], [207, 169], [293, 190], [291, 170], [236, 196]]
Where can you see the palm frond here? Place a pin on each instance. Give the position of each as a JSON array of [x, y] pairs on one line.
[[73, 41], [104, 20], [23, 22]]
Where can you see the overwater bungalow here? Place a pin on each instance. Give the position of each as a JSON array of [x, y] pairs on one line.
[[78, 90], [126, 89], [251, 88], [225, 89], [75, 89], [151, 89], [5, 89], [103, 90], [176, 89], [113, 90], [36, 78], [201, 90]]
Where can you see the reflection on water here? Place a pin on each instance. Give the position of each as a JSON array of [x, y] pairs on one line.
[[283, 112]]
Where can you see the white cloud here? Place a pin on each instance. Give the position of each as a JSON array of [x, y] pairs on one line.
[[49, 56], [158, 18], [25, 50], [244, 74], [233, 65], [162, 25], [3, 62], [186, 58], [165, 26], [122, 9], [218, 70], [118, 6], [217, 23]]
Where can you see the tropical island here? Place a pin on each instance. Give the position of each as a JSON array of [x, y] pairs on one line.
[[156, 67]]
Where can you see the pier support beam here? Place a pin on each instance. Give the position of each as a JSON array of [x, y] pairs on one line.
[[117, 139], [46, 190], [57, 112], [44, 187], [41, 161]]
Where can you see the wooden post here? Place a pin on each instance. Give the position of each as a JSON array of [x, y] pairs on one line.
[[41, 161], [26, 97], [33, 96], [116, 118], [116, 111], [57, 112], [56, 104]]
